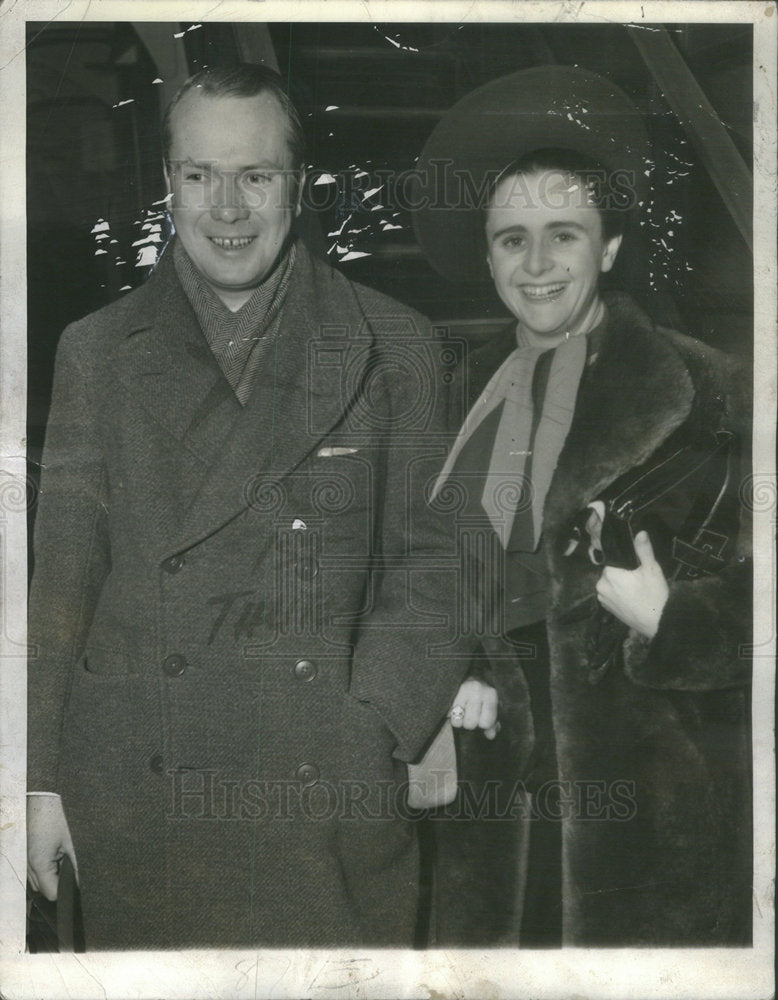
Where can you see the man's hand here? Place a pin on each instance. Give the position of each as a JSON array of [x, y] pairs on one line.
[[636, 596], [48, 840], [475, 707]]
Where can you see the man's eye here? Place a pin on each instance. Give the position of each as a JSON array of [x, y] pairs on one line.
[[196, 176], [258, 178], [513, 242], [565, 237]]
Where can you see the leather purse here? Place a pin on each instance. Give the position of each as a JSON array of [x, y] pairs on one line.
[[70, 925], [688, 504]]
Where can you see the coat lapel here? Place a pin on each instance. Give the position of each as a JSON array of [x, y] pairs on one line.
[[164, 364], [631, 398], [295, 403], [168, 368]]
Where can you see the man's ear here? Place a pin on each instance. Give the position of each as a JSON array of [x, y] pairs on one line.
[[168, 182], [609, 252], [489, 264], [298, 202]]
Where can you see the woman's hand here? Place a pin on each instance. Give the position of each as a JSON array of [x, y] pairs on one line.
[[475, 707], [636, 596]]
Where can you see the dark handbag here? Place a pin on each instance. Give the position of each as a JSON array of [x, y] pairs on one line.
[[686, 498], [688, 504], [70, 926]]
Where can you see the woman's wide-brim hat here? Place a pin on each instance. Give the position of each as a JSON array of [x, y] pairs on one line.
[[543, 107]]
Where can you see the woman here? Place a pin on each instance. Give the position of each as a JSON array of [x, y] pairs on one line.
[[575, 404]]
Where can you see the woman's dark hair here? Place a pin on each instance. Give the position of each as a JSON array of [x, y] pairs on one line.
[[242, 80], [612, 201]]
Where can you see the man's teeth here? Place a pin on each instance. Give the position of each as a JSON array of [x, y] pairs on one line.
[[232, 243], [541, 291]]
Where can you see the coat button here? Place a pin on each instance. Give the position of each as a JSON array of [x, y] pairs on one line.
[[174, 665], [156, 763], [307, 773], [305, 670], [173, 564]]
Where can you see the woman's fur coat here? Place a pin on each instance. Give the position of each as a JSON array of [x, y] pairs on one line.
[[654, 753]]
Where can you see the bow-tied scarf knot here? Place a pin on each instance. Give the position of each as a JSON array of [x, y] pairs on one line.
[[522, 463]]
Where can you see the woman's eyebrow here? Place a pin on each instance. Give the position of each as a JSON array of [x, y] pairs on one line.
[[513, 228], [556, 224]]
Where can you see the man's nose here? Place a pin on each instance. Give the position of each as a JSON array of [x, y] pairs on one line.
[[536, 259], [227, 201]]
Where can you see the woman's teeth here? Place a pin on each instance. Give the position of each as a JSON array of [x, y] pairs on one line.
[[540, 293]]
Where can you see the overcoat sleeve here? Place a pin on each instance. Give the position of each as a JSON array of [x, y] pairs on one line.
[[410, 659], [72, 554]]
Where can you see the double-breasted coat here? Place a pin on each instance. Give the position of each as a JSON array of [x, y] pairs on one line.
[[234, 618], [654, 776]]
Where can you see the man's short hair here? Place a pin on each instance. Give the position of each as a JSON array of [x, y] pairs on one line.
[[241, 80]]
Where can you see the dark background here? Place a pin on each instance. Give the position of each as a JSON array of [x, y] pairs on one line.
[[369, 96]]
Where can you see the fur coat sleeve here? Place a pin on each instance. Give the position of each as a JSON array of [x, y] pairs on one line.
[[703, 640]]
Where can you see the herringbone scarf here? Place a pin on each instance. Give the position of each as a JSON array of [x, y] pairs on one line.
[[241, 340]]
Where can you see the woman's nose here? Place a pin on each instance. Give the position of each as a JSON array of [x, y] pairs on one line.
[[536, 259]]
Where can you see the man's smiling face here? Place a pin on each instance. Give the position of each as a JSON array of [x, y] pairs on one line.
[[546, 251], [229, 171]]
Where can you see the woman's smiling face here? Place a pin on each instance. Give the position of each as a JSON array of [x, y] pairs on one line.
[[546, 251]]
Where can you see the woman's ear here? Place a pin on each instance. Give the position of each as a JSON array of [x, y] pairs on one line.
[[609, 252]]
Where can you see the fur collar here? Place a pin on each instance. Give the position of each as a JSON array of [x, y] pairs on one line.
[[632, 397]]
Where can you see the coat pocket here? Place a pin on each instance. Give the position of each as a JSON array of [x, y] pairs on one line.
[[107, 662]]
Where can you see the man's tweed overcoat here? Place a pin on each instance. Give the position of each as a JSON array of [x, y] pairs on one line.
[[231, 614], [654, 757]]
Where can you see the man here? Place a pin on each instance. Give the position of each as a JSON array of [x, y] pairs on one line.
[[234, 609]]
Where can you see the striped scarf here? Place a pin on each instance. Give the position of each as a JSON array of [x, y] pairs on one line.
[[241, 340], [525, 450]]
